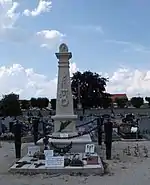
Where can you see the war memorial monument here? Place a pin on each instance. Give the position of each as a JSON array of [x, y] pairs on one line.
[[67, 151]]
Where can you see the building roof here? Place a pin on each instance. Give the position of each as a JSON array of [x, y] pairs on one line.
[[114, 96]]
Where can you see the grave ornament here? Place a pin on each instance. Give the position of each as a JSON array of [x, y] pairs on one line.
[[61, 150], [63, 48], [145, 151], [128, 151]]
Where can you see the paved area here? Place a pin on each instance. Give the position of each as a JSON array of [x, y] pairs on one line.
[[123, 169]]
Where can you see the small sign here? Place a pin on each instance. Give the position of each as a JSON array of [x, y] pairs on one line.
[[48, 153], [57, 161], [89, 148], [134, 129], [63, 135], [32, 150]]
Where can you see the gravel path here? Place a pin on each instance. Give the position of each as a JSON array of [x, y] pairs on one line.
[[123, 169]]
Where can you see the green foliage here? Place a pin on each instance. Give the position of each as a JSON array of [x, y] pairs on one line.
[[25, 104], [33, 102], [53, 104], [121, 102], [137, 102], [39, 102], [42, 102], [75, 103], [148, 100], [10, 105], [106, 101], [90, 87]]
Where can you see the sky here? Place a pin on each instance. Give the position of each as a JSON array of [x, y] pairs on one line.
[[104, 36]]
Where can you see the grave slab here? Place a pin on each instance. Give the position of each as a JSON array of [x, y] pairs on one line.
[[29, 169], [23, 168]]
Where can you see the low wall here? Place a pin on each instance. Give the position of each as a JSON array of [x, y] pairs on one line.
[[117, 111], [104, 111]]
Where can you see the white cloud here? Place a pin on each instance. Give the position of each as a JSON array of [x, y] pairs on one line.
[[27, 82], [8, 15], [10, 33], [73, 68], [49, 38], [132, 82], [8, 18], [42, 7], [129, 46]]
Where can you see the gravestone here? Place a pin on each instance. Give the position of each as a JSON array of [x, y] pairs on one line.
[[64, 102]]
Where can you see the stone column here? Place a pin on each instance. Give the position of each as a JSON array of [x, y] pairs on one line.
[[64, 102]]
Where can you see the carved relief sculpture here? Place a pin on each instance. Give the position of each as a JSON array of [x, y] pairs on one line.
[[64, 97], [64, 82], [64, 92]]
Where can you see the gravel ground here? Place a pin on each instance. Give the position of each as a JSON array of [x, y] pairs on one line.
[[123, 169]]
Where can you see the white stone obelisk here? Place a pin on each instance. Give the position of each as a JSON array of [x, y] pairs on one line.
[[64, 101]]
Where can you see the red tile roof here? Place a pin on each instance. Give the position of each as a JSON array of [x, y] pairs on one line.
[[114, 96]]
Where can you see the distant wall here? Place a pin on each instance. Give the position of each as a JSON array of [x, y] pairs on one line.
[[103, 111], [117, 111]]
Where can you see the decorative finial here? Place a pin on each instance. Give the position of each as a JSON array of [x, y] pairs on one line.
[[63, 48]]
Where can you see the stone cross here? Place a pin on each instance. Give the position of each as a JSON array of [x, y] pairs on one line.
[[64, 102]]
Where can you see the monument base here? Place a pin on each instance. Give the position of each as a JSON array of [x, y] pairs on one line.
[[78, 143], [64, 117], [67, 134], [30, 168]]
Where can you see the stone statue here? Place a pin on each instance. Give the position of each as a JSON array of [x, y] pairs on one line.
[[63, 48]]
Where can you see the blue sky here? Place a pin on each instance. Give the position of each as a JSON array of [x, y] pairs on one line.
[[103, 35], [125, 21]]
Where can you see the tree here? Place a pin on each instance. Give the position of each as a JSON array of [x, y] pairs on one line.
[[89, 87], [106, 101], [121, 102], [75, 103], [148, 100], [10, 105], [39, 102], [137, 102], [53, 104], [33, 102], [42, 102], [25, 104]]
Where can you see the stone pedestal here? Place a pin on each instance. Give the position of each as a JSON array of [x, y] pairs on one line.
[[64, 102], [78, 143]]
